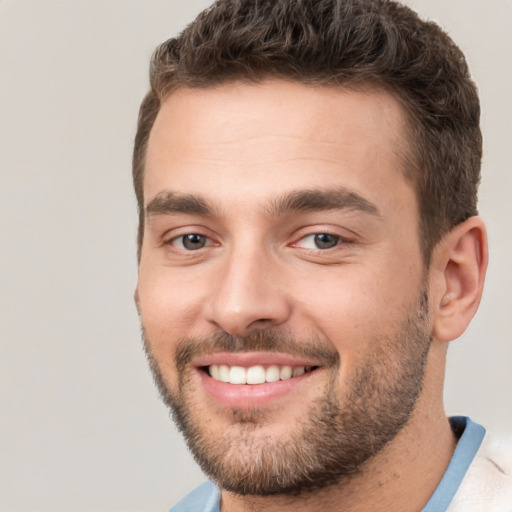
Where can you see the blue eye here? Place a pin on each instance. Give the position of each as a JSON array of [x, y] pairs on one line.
[[192, 241], [326, 241], [319, 241]]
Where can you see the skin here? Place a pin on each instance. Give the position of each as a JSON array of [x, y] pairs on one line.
[[241, 148]]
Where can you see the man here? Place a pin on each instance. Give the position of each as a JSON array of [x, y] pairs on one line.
[[306, 172]]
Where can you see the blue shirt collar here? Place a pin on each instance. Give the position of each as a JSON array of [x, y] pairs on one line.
[[465, 451]]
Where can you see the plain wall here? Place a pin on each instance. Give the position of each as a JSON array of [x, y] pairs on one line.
[[81, 426]]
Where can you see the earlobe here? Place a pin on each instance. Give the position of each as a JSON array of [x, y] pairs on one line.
[[461, 257]]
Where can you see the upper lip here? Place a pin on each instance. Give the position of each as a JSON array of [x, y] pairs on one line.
[[248, 359]]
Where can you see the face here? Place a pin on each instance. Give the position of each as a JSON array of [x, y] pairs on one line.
[[281, 285]]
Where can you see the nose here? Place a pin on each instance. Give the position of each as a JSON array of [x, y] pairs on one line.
[[249, 294]]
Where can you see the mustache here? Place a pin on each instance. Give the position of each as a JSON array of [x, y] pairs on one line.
[[258, 341]]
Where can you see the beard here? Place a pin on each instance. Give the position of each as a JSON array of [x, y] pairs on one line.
[[341, 431]]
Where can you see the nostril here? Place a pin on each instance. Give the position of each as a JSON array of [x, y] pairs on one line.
[[264, 322]]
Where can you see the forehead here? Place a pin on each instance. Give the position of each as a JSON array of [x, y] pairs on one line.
[[239, 137]]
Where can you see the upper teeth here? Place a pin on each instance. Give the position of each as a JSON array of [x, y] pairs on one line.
[[254, 374]]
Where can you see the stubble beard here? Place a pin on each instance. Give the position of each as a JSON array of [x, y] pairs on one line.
[[337, 436]]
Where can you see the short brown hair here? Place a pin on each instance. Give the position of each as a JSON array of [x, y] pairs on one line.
[[347, 43]]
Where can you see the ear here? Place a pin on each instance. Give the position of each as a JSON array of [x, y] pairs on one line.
[[459, 262], [137, 299]]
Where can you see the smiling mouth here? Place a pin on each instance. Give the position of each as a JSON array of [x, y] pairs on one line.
[[257, 374]]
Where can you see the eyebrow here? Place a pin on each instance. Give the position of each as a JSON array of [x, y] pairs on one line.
[[339, 198], [171, 202]]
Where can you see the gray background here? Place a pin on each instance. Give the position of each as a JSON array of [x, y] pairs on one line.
[[82, 428]]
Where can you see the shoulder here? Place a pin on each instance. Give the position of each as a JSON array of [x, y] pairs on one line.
[[488, 481], [205, 498]]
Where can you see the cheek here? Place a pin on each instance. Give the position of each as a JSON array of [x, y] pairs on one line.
[[168, 309], [354, 307]]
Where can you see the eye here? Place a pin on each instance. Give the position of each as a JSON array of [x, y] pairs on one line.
[[319, 241], [190, 242]]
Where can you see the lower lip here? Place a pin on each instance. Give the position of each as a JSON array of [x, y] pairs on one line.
[[249, 396]]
